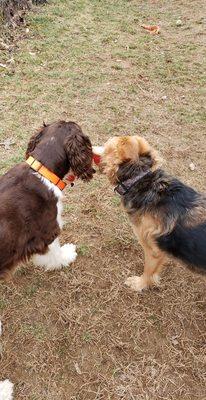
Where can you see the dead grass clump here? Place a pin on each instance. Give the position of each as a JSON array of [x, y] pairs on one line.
[[13, 11]]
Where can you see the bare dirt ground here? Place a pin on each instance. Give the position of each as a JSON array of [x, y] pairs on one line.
[[79, 334]]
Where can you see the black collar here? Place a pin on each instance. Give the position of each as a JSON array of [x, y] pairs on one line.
[[123, 187]]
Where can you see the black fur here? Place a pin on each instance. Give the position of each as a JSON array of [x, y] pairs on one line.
[[187, 244], [171, 201]]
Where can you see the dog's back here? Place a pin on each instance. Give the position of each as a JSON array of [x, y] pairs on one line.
[[187, 239]]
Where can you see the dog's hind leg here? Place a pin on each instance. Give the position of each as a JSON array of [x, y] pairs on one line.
[[154, 260], [56, 257]]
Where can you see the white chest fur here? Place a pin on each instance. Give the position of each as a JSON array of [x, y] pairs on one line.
[[57, 256], [59, 195]]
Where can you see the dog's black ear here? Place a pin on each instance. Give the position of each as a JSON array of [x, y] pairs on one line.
[[146, 160], [34, 140], [128, 168], [150, 159], [79, 153]]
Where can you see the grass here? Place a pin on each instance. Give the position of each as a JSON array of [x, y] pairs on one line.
[[79, 334], [83, 250]]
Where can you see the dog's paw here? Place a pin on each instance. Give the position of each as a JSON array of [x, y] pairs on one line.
[[137, 283], [68, 254]]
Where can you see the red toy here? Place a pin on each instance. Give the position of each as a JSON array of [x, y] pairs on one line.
[[71, 178], [96, 158]]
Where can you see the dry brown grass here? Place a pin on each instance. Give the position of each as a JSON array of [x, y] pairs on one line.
[[79, 334]]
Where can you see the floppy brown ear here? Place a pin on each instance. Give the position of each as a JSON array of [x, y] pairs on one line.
[[34, 140], [79, 152]]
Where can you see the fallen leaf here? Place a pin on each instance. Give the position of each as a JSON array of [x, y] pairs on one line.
[[4, 46], [11, 61], [179, 22], [78, 370], [174, 340], [152, 29], [7, 143], [192, 166]]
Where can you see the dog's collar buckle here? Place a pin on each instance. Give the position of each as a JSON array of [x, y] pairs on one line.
[[121, 189]]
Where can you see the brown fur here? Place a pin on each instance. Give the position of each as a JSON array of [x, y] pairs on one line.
[[196, 216], [146, 228], [28, 209], [68, 147]]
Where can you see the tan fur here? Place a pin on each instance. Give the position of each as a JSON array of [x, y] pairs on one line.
[[146, 227], [120, 149], [196, 216], [116, 151]]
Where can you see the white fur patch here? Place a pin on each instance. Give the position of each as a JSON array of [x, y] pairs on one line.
[[1, 330], [57, 256], [58, 193], [69, 254], [6, 390], [98, 150], [59, 213]]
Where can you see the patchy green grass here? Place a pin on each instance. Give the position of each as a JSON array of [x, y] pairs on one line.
[[83, 249], [37, 331], [79, 334]]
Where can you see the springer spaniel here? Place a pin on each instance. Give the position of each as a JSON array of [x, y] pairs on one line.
[[31, 194]]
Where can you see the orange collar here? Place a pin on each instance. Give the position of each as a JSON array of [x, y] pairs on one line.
[[45, 172]]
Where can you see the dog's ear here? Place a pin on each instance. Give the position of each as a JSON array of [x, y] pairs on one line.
[[151, 159], [79, 153], [147, 155], [34, 140], [145, 160]]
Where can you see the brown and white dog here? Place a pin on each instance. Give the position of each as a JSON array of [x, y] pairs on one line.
[[31, 197], [167, 216]]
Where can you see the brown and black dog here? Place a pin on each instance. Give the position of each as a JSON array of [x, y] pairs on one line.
[[167, 216]]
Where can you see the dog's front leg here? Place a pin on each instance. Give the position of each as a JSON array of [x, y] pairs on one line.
[[56, 257], [153, 265], [154, 261]]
